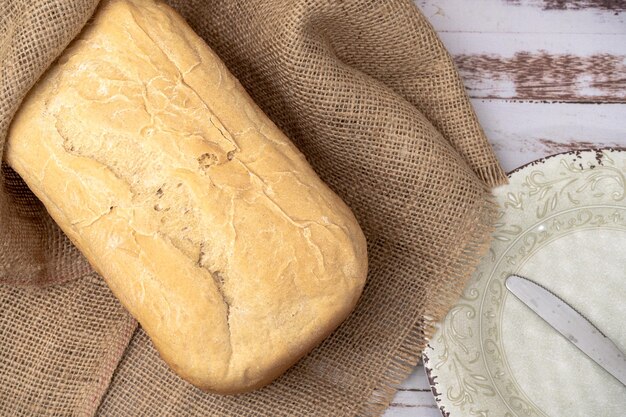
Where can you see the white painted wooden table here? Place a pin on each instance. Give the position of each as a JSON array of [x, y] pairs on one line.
[[545, 76]]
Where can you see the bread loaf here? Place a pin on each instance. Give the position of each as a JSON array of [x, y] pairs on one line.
[[205, 221]]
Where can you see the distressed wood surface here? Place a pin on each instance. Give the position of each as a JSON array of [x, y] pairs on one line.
[[526, 16], [414, 398], [521, 132], [545, 76], [559, 67]]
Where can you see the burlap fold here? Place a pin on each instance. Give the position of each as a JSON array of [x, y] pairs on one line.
[[366, 90]]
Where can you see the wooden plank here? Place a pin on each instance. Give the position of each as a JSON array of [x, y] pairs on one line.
[[416, 381], [473, 43], [413, 403], [521, 132], [412, 412], [576, 68], [414, 397], [610, 5], [597, 78], [526, 16]]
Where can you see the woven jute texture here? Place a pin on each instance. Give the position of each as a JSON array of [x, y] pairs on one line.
[[368, 93]]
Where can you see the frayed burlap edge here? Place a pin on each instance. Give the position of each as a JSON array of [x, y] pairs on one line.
[[492, 175], [441, 300]]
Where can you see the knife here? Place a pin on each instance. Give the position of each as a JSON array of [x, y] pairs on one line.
[[571, 324]]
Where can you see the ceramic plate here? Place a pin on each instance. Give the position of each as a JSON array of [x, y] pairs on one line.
[[563, 224]]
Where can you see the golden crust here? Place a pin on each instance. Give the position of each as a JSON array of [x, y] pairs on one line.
[[205, 221]]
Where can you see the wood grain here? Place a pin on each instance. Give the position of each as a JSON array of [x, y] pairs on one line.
[[544, 76], [521, 132], [530, 66], [611, 5], [542, 60], [414, 398], [523, 16]]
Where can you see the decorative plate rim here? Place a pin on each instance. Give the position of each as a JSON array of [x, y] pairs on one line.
[[425, 358], [564, 153]]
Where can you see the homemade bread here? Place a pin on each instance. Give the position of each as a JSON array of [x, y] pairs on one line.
[[205, 221]]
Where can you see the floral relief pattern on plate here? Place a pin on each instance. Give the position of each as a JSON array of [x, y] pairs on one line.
[[560, 220]]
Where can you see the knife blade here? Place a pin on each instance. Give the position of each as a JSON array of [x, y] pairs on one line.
[[571, 324]]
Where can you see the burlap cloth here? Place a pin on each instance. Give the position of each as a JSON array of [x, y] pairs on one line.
[[366, 90]]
